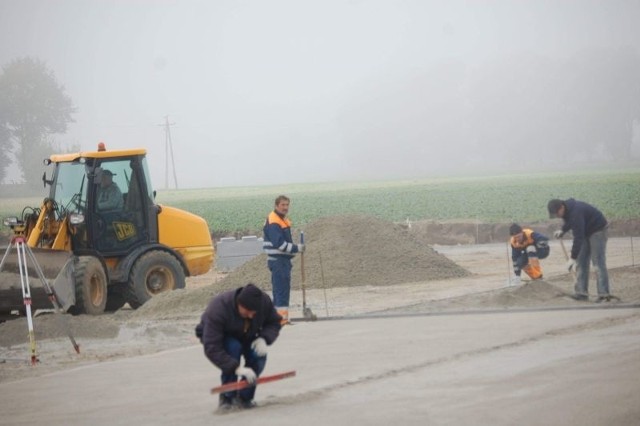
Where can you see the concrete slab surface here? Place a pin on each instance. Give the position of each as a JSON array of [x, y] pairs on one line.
[[573, 367]]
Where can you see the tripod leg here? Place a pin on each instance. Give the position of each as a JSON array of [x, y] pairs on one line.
[[26, 295], [53, 298], [6, 253]]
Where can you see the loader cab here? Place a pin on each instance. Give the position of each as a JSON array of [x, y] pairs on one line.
[[120, 204], [112, 196]]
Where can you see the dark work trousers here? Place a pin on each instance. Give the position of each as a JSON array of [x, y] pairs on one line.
[[236, 349], [280, 280]]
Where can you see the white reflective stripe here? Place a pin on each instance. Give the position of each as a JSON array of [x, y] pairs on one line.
[[279, 255], [285, 249], [267, 247]]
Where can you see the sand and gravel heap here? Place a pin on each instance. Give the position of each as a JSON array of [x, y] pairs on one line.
[[342, 251], [347, 251]]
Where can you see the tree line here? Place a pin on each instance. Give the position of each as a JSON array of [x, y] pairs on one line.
[[33, 109]]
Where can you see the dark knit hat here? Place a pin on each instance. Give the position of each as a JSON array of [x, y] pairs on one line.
[[250, 297], [515, 229], [553, 207]]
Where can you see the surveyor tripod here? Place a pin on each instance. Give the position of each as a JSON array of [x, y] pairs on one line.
[[18, 241]]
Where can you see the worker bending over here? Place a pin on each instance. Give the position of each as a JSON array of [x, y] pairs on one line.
[[527, 247], [239, 323]]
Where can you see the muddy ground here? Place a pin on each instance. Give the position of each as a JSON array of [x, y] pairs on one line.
[[167, 321]]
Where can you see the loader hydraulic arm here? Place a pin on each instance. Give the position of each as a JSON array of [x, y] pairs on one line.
[[48, 232]]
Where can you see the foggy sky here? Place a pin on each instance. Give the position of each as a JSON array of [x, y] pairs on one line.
[[265, 92]]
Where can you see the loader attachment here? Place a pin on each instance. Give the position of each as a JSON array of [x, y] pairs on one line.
[[55, 266]]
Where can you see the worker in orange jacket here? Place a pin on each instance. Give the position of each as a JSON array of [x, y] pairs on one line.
[[527, 247], [280, 249]]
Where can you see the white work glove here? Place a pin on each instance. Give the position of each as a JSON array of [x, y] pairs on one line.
[[247, 373], [301, 248], [571, 264], [259, 346], [558, 233]]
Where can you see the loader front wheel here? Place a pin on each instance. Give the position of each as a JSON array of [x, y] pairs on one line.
[[91, 287], [154, 273]]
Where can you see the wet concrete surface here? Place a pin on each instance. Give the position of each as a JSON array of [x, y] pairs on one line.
[[563, 367]]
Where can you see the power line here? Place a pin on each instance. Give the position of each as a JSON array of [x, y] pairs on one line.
[[168, 151]]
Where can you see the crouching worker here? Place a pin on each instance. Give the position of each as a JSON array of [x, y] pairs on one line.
[[527, 247], [239, 323]]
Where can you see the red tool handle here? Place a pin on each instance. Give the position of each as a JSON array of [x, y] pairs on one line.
[[244, 384]]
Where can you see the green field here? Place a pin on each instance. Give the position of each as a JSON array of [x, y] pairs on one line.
[[521, 198]]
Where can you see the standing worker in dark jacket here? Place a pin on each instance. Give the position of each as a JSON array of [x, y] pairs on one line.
[[280, 249], [589, 228], [240, 322], [527, 247]]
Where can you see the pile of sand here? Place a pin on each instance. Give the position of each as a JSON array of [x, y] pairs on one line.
[[347, 251], [342, 251]]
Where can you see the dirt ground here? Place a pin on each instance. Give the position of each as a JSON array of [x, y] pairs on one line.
[[463, 350], [168, 322]]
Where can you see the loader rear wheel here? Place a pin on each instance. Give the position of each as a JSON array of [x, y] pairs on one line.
[[154, 273], [91, 287]]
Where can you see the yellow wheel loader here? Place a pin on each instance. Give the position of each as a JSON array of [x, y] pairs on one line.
[[101, 238]]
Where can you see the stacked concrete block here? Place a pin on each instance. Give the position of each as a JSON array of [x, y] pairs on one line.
[[231, 253]]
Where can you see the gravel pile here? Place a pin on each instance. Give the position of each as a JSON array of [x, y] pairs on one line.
[[342, 251]]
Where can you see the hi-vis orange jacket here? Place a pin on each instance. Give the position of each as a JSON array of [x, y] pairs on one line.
[[278, 242], [531, 238]]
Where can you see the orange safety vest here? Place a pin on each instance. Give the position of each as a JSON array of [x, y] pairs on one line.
[[527, 241]]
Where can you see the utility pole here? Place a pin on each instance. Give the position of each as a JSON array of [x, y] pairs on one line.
[[168, 151]]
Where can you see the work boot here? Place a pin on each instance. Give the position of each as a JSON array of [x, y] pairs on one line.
[[602, 299], [580, 297], [283, 311], [245, 404], [225, 404]]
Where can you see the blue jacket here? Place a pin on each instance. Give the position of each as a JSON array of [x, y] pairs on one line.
[[583, 220], [222, 319], [278, 242]]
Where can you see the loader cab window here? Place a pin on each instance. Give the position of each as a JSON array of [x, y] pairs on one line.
[[119, 210], [108, 193], [70, 187], [147, 178]]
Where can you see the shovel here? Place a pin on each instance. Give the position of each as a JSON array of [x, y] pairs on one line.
[[566, 256]]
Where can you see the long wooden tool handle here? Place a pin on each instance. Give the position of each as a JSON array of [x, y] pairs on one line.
[[566, 256], [564, 250], [228, 387], [302, 263]]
